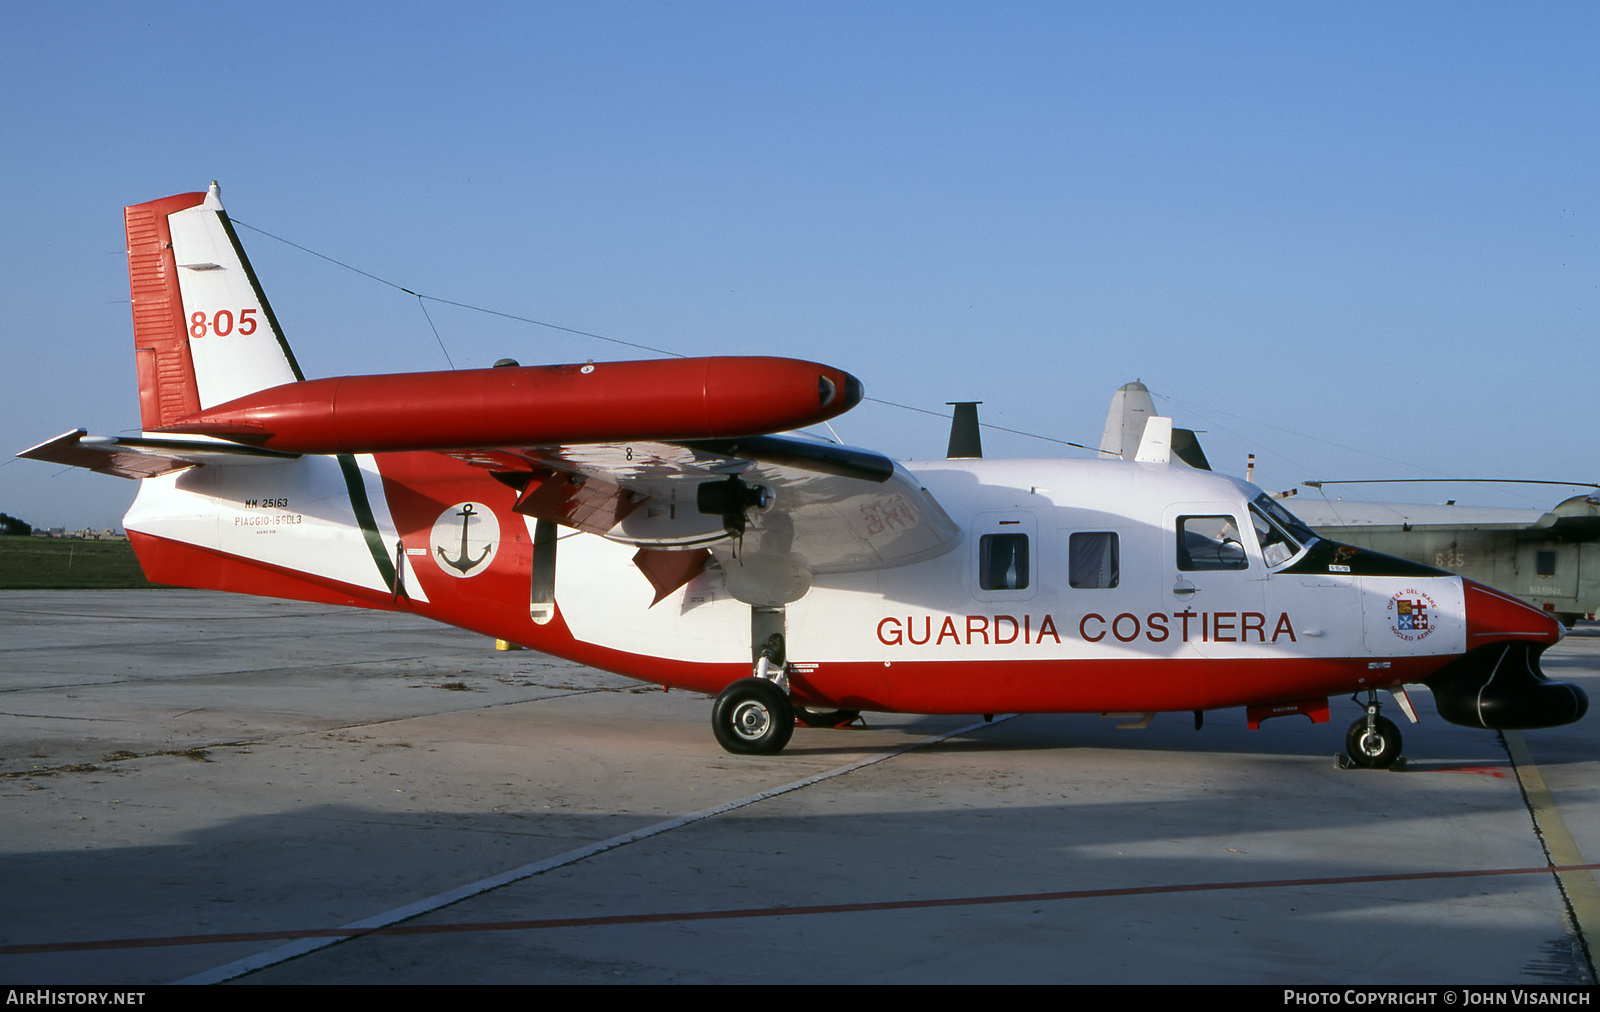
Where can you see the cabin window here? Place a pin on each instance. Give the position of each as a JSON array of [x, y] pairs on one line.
[[1003, 561], [1545, 563], [1092, 561], [1210, 542]]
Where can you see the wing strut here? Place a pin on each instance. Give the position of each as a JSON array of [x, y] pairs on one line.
[[542, 596]]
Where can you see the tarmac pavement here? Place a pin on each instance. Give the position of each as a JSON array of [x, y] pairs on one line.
[[201, 787]]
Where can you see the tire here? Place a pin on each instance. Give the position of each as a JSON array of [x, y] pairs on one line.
[[752, 717], [1377, 749]]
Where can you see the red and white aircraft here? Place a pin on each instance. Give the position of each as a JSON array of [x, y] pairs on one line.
[[641, 517]]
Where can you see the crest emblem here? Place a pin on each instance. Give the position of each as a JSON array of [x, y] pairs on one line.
[[464, 539], [1411, 615]]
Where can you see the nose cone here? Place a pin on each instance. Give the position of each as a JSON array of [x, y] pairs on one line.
[[1493, 616], [1497, 683], [839, 390], [853, 390]]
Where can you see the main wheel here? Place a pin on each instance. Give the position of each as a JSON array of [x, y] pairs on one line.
[[1374, 749], [752, 717]]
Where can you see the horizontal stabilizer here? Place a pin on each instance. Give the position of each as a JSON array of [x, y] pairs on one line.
[[137, 457]]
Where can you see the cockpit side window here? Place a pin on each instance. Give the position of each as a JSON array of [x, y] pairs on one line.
[[1277, 547], [1210, 542], [1291, 524]]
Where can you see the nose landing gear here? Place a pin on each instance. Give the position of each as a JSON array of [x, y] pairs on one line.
[[1373, 742]]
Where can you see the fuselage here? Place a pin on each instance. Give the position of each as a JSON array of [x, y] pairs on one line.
[[1075, 585]]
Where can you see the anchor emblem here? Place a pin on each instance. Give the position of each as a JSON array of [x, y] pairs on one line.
[[471, 532]]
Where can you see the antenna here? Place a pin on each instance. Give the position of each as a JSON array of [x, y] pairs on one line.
[[964, 438]]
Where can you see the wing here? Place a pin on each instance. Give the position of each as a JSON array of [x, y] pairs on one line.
[[787, 508], [803, 506]]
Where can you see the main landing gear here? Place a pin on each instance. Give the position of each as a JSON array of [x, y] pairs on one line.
[[1373, 742], [753, 716]]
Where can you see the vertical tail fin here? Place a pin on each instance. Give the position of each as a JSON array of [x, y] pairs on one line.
[[1131, 407], [203, 331]]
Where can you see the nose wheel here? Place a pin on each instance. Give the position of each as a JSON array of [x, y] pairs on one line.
[[1373, 741]]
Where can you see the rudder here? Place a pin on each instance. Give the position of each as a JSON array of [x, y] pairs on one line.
[[203, 330]]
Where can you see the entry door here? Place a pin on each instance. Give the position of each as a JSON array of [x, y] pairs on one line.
[[1214, 577]]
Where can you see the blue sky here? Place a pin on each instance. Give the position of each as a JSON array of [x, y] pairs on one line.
[[1359, 240]]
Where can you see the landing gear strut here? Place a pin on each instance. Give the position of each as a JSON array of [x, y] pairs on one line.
[[1373, 742]]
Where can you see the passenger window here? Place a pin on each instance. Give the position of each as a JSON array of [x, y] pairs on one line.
[[1545, 563], [1092, 561], [1206, 543], [1003, 561]]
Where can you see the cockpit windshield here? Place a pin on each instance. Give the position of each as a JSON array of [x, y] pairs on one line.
[[1281, 534]]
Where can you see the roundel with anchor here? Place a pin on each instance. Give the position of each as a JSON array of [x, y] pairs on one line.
[[464, 539]]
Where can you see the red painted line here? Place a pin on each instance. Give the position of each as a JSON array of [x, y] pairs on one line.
[[1503, 772], [829, 908]]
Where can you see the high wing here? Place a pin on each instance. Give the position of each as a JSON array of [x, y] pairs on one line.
[[816, 506], [784, 507]]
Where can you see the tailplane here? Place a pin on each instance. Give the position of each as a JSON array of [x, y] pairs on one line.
[[203, 331]]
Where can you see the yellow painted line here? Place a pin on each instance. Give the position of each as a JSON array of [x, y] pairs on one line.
[[1580, 887]]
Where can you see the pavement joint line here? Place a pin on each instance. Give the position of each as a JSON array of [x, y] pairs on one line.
[[306, 945], [1575, 880]]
